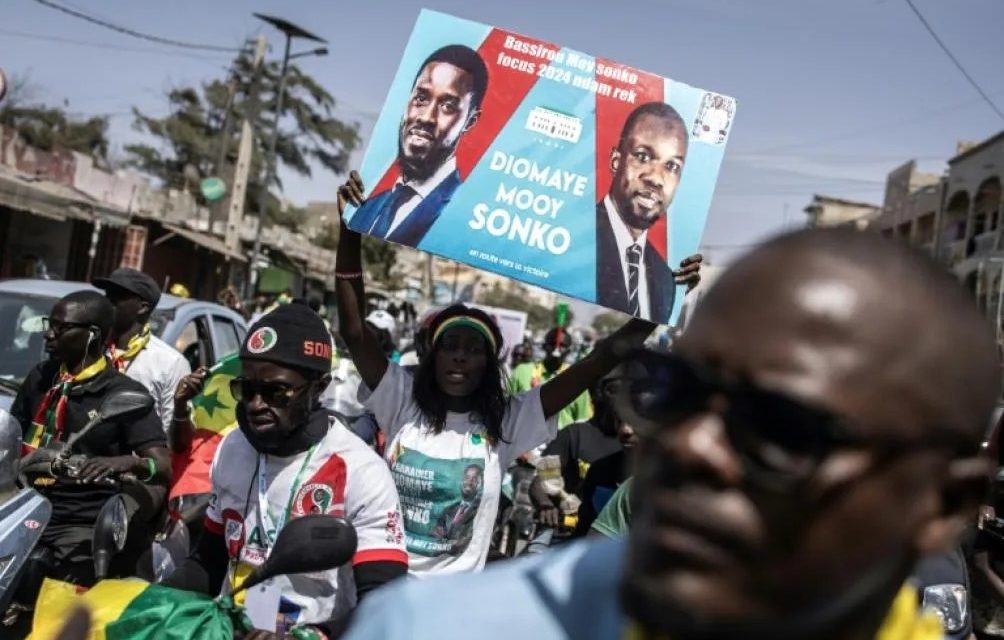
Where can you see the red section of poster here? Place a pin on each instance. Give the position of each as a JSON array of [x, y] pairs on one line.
[[611, 113], [507, 88]]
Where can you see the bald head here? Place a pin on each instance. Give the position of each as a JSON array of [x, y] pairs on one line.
[[89, 308], [882, 329], [815, 333]]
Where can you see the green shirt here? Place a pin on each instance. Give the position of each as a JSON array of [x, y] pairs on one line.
[[529, 375], [615, 519]]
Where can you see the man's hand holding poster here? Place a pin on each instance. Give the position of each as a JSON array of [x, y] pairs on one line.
[[544, 164]]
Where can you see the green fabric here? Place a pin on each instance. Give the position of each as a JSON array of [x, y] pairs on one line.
[[529, 375], [162, 613], [615, 519]]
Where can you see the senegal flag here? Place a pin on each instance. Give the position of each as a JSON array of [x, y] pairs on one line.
[[213, 417], [136, 610]]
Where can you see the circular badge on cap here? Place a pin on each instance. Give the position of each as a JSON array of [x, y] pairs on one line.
[[262, 340]]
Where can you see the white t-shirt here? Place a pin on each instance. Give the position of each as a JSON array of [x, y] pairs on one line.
[[342, 477], [159, 368], [449, 483]]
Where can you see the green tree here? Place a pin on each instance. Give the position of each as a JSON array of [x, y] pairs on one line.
[[48, 128], [192, 132]]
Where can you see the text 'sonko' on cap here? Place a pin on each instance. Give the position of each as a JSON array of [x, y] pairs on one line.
[[292, 335]]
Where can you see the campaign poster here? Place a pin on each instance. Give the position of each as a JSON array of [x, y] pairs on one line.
[[544, 164]]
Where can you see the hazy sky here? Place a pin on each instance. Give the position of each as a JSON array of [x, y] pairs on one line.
[[832, 95]]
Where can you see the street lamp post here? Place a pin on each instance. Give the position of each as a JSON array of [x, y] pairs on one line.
[[291, 31]]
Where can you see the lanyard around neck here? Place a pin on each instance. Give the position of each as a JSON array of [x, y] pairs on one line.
[[270, 528]]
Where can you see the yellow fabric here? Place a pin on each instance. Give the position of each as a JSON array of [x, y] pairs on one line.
[[49, 419], [241, 573], [93, 370], [137, 343], [905, 621], [106, 601]]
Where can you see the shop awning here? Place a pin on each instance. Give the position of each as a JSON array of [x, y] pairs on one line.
[[206, 241], [54, 201]]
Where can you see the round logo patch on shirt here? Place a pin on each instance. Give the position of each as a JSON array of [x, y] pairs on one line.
[[262, 340], [314, 498]]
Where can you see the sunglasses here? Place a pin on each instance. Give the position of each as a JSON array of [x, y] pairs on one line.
[[275, 394], [59, 328], [780, 441]]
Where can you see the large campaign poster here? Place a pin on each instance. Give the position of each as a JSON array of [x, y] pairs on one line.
[[537, 162]]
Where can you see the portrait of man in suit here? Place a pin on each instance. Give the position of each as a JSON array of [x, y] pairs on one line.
[[456, 523], [444, 104], [646, 165]]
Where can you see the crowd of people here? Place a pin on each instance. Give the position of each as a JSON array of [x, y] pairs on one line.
[[777, 474]]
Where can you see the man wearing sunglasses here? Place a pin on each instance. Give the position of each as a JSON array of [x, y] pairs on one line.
[[815, 433], [56, 400], [291, 458]]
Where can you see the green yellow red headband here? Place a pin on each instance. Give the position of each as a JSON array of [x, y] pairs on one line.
[[467, 321]]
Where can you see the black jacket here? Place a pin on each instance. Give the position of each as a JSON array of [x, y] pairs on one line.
[[610, 268], [73, 503]]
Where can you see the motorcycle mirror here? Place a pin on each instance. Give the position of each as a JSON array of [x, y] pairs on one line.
[[110, 532], [125, 403], [305, 545]]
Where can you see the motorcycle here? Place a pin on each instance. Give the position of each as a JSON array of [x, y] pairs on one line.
[[309, 544], [25, 513], [518, 530]]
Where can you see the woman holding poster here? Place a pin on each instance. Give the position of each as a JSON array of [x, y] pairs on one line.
[[451, 428]]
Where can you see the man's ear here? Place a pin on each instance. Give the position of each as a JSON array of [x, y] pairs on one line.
[[960, 499], [472, 119], [615, 159]]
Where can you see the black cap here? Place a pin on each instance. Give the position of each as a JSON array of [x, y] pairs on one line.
[[133, 281], [293, 336]]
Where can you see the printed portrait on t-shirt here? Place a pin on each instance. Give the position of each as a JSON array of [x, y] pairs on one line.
[[440, 498], [456, 522]]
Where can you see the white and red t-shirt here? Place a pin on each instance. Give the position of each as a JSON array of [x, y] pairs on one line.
[[338, 476]]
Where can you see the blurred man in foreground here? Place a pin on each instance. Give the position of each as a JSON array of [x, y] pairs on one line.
[[785, 485]]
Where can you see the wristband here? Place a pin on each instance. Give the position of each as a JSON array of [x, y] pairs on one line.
[[350, 275], [151, 468]]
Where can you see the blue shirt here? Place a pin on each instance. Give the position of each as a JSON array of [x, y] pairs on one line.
[[567, 593]]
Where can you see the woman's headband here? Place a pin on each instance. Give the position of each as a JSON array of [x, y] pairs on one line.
[[467, 321]]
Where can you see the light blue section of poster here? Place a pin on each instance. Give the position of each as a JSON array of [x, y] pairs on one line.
[[432, 31], [572, 270], [689, 211]]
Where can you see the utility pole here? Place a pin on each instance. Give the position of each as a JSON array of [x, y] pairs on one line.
[[242, 169], [291, 31], [219, 168]]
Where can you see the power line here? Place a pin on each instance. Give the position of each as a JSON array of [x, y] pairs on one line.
[[102, 45], [955, 60], [850, 133], [133, 33]]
